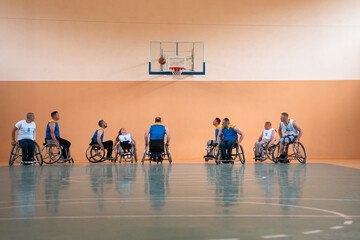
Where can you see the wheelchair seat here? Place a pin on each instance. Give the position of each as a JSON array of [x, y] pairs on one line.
[[156, 146], [49, 141]]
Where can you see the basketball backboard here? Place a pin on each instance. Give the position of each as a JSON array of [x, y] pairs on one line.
[[177, 54]]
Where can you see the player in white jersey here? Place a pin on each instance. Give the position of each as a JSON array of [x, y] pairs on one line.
[[292, 132], [26, 137], [125, 139], [266, 139]]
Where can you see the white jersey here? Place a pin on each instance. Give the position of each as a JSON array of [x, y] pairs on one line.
[[26, 130], [267, 134], [125, 138], [289, 129]]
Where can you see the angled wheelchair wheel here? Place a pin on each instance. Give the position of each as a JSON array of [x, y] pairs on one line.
[[299, 152], [217, 157], [168, 153], [14, 154], [94, 154], [240, 153], [51, 153], [144, 155], [38, 157], [276, 153]]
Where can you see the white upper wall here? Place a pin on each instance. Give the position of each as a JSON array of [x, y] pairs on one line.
[[244, 39]]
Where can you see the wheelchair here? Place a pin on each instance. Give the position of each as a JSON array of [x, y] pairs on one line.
[[268, 153], [53, 154], [16, 155], [211, 151], [125, 151], [298, 152], [94, 154], [239, 155], [156, 151]]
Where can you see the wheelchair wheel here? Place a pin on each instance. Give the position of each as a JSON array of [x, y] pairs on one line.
[[94, 154], [168, 154], [240, 153], [38, 157], [14, 154], [51, 153], [144, 155], [299, 152], [276, 153], [217, 156]]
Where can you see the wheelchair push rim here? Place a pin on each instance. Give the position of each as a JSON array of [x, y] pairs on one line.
[[94, 154], [51, 153]]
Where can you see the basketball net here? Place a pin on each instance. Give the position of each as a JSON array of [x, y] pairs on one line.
[[176, 72]]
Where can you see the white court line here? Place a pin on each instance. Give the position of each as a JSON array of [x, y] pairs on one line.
[[336, 227], [225, 239], [313, 232], [348, 222], [274, 236]]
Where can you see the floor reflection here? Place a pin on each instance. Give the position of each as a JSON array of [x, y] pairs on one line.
[[228, 180], [156, 179]]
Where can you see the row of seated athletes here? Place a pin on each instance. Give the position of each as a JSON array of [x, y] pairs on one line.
[[27, 135], [157, 133], [227, 135]]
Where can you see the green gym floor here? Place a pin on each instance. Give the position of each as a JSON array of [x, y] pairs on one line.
[[180, 201]]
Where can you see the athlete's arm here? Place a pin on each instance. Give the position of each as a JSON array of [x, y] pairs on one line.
[[98, 139], [297, 127], [167, 132], [13, 142], [241, 133], [218, 140], [273, 138], [280, 131], [52, 133]]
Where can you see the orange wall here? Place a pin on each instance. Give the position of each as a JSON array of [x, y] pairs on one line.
[[328, 111]]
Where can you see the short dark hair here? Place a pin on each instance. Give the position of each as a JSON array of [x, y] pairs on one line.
[[218, 120], [266, 123], [54, 113], [158, 119], [29, 114], [100, 122], [226, 120], [285, 114]]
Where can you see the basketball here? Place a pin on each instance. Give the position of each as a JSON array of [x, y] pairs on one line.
[[162, 61]]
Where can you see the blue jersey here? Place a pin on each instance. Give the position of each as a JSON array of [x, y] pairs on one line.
[[157, 132], [94, 138], [229, 134], [217, 131], [48, 132]]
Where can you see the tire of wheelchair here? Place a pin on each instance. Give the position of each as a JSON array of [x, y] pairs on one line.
[[168, 153], [300, 158], [50, 146], [241, 154], [13, 154], [90, 155], [276, 152], [144, 154]]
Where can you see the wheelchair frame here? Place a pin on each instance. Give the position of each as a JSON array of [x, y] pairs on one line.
[[238, 154], [16, 155], [296, 155], [268, 152], [48, 147], [122, 155], [211, 153], [159, 156]]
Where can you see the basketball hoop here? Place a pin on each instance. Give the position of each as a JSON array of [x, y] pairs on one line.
[[176, 71]]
